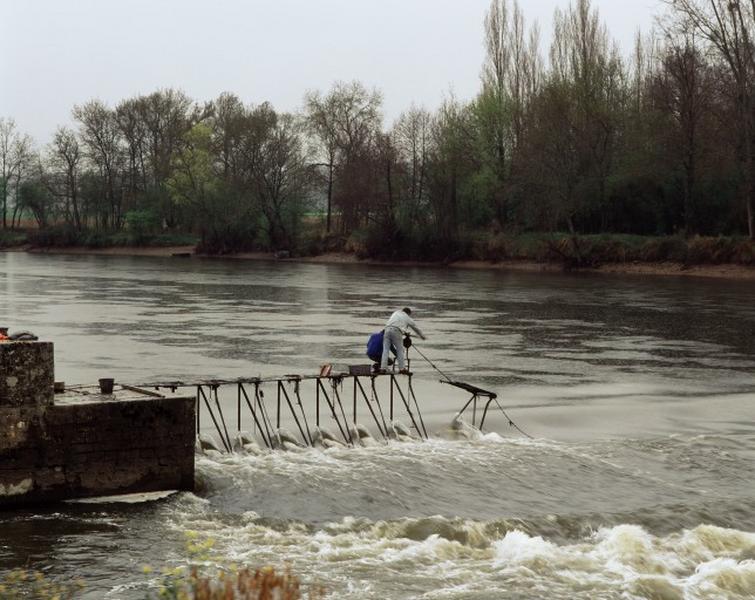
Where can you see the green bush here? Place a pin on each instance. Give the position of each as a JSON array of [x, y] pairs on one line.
[[142, 225], [21, 583], [237, 237], [10, 239], [57, 236], [664, 249]]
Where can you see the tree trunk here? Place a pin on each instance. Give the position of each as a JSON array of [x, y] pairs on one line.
[[689, 187], [330, 196], [750, 197], [16, 210]]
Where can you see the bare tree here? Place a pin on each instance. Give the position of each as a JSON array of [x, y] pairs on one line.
[[25, 158], [281, 179], [346, 122], [166, 116], [411, 138], [452, 158], [643, 67], [229, 122], [15, 151], [65, 159], [320, 114], [683, 88], [729, 26], [101, 138], [134, 132], [510, 79], [584, 61]]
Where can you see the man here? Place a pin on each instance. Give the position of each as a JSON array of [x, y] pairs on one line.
[[395, 328], [375, 348]]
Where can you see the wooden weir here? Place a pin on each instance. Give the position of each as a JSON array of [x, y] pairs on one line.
[[327, 389]]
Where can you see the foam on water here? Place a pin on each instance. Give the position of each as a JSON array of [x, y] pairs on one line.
[[358, 558], [642, 550]]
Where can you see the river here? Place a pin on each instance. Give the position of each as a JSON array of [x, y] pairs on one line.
[[638, 393]]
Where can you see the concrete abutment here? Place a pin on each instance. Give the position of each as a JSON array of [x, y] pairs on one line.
[[84, 444]]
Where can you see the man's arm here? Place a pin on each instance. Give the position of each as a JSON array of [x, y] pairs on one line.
[[413, 326]]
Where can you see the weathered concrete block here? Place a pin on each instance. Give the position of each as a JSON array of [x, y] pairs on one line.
[[96, 449], [27, 374], [17, 423], [94, 446]]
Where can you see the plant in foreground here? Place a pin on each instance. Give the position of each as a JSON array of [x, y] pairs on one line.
[[229, 582], [33, 584]]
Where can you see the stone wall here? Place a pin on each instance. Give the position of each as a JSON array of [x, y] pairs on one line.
[[27, 374], [90, 446]]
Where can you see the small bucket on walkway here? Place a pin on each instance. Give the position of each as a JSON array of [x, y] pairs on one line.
[[106, 385]]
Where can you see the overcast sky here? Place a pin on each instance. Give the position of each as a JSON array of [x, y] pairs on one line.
[[56, 53]]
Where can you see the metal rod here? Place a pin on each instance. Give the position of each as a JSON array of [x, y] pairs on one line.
[[334, 383], [222, 417], [372, 411], [238, 409], [198, 409], [391, 413], [278, 411], [214, 420], [461, 412], [416, 405], [377, 401], [406, 404], [173, 385], [355, 400], [347, 438], [317, 405], [259, 395], [485, 412], [254, 415], [293, 412], [303, 412]]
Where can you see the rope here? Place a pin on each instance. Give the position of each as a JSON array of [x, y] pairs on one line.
[[429, 362], [511, 423], [447, 378]]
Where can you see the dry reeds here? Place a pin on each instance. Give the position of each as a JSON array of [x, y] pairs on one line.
[[236, 584]]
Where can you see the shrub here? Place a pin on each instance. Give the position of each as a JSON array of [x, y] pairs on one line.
[[241, 584], [20, 583], [56, 237], [664, 249], [10, 239], [498, 248], [237, 237], [200, 583], [141, 225], [744, 252]]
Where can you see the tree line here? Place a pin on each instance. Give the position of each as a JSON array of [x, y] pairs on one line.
[[579, 139]]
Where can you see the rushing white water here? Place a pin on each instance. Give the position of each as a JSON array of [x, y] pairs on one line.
[[639, 394]]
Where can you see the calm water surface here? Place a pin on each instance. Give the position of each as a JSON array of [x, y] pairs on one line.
[[639, 393]]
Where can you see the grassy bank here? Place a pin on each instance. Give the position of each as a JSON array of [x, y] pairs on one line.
[[562, 249], [12, 239], [573, 252], [67, 237]]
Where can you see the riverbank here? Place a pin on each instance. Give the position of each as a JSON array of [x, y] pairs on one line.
[[664, 268]]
